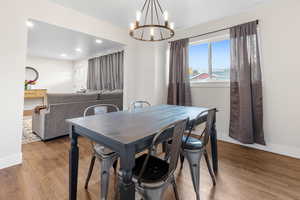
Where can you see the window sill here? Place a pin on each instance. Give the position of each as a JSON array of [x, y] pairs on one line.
[[210, 84]]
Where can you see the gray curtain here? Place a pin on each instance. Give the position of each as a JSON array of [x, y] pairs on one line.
[[246, 101], [106, 72], [179, 91]]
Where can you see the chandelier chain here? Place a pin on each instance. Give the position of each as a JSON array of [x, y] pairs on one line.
[[161, 36], [145, 20]]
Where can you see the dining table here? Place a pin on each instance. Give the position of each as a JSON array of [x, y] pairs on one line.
[[129, 133]]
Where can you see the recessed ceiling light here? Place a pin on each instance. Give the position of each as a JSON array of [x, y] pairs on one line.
[[78, 50], [99, 41], [29, 24], [63, 55]]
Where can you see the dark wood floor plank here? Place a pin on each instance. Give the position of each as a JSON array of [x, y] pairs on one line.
[[244, 174]]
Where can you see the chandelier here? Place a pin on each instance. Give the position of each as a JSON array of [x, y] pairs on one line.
[[151, 23]]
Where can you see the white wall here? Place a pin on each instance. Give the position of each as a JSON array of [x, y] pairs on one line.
[[12, 62], [13, 42], [54, 75], [211, 95], [280, 30], [151, 73]]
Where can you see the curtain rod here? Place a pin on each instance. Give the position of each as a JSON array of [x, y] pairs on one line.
[[108, 52], [211, 32]]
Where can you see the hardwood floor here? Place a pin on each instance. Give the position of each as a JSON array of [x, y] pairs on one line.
[[244, 174]]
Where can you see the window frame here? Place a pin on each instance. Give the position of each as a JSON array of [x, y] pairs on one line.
[[206, 82]]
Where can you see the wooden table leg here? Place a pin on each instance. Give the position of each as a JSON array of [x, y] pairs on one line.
[[126, 185], [214, 147], [73, 166]]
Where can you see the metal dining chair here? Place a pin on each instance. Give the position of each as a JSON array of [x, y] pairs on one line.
[[107, 157], [153, 175], [138, 104], [193, 147]]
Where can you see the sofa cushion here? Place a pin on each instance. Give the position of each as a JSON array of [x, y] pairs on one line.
[[111, 94], [56, 98]]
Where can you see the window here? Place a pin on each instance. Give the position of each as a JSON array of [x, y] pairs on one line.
[[209, 61]]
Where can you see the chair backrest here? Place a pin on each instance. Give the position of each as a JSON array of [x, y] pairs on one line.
[[97, 110], [138, 104], [177, 129], [176, 144], [100, 109], [210, 119]]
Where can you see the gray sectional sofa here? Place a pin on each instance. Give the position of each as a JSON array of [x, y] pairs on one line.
[[50, 122]]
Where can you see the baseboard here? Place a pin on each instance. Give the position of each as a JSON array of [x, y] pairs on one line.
[[289, 151], [9, 161]]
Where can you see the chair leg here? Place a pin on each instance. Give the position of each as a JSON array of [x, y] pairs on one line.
[[90, 171], [167, 151], [106, 164], [181, 160], [115, 166], [209, 168], [194, 161], [164, 146], [175, 189]]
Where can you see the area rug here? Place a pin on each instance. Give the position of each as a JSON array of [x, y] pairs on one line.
[[28, 136]]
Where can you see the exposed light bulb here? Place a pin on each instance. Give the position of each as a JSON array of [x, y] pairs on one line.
[[172, 25], [152, 31], [166, 15], [78, 50], [132, 26], [63, 55], [138, 15]]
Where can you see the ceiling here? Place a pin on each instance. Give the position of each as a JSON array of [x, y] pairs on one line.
[[184, 13], [49, 41]]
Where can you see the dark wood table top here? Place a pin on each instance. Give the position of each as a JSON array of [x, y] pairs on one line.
[[132, 127]]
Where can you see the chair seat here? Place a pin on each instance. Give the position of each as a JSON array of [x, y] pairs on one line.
[[156, 169], [103, 151], [192, 143]]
